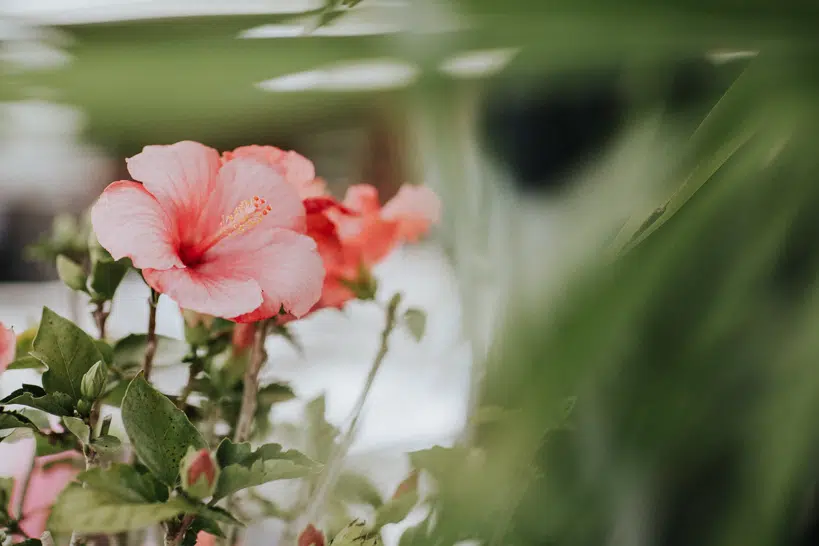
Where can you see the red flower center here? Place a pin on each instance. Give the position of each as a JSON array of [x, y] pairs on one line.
[[246, 215]]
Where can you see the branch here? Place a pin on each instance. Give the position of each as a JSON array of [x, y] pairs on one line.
[[150, 347], [100, 316], [333, 468], [251, 383]]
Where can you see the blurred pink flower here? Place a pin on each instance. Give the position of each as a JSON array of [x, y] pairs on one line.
[[205, 539], [8, 346], [299, 172], [352, 235], [369, 235], [296, 169], [310, 536], [221, 237], [49, 477]]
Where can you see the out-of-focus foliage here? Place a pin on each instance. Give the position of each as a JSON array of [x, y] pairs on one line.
[[692, 356]]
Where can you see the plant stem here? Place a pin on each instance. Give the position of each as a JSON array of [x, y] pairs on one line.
[[150, 347], [251, 383], [332, 469], [174, 534], [100, 316], [182, 401]]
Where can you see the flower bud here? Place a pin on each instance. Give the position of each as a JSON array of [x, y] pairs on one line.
[[311, 537], [200, 472], [84, 407], [197, 327], [243, 336], [356, 533], [194, 319], [94, 380], [71, 273]]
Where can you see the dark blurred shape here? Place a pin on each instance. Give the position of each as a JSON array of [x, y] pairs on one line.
[[546, 131], [543, 134]]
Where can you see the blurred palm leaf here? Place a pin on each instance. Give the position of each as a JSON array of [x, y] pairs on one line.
[[692, 358]]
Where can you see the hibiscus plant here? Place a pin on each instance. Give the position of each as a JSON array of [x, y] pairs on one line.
[[245, 243]]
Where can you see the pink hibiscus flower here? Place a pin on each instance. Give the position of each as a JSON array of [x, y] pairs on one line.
[[353, 235], [8, 346], [373, 231], [300, 173], [221, 237], [51, 474]]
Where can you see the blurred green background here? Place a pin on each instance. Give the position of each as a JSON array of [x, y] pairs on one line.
[[646, 337]]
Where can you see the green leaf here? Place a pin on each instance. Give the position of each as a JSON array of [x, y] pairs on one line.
[[159, 431], [357, 488], [129, 352], [105, 350], [57, 403], [71, 273], [243, 468], [115, 393], [78, 428], [440, 462], [213, 513], [88, 510], [106, 277], [13, 419], [25, 363], [25, 339], [52, 444], [106, 444], [416, 321], [356, 534], [395, 510], [66, 350], [275, 393], [414, 535], [6, 487], [126, 483], [39, 418], [322, 435]]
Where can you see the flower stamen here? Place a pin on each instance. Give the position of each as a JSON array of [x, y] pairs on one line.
[[247, 214]]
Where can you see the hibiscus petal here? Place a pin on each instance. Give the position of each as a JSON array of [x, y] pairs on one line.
[[414, 208], [8, 346], [48, 478], [242, 179], [182, 177], [362, 198], [297, 170], [211, 288], [286, 265], [129, 221]]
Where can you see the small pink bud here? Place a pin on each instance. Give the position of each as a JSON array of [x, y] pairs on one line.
[[243, 336], [202, 465], [311, 537], [200, 473]]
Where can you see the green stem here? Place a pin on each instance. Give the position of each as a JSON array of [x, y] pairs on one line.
[[193, 371], [175, 533], [100, 317], [332, 470], [150, 347], [251, 383]]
